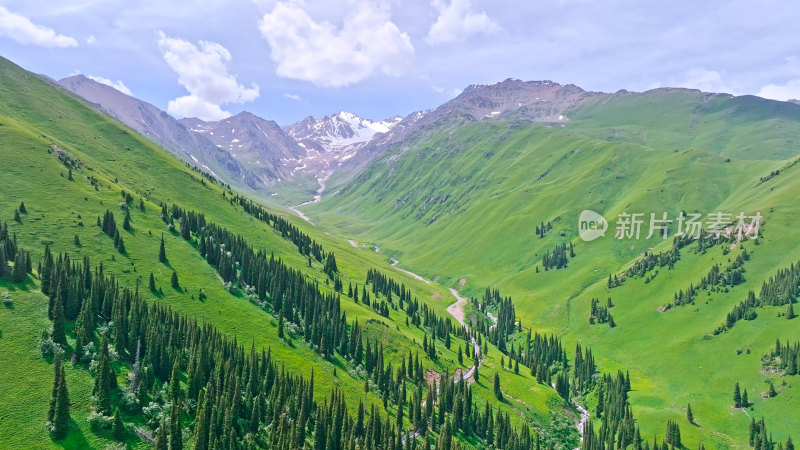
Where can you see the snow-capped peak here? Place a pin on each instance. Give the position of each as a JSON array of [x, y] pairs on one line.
[[343, 131]]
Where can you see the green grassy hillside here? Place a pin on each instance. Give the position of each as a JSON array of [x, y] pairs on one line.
[[69, 165], [463, 207]]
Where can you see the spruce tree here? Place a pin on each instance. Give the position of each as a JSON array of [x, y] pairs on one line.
[[59, 334], [175, 430], [737, 396], [175, 284], [126, 224], [3, 262], [77, 241], [497, 391], [745, 400], [772, 392], [17, 218], [789, 444], [162, 252], [120, 245], [19, 273], [102, 382], [161, 437], [118, 427], [61, 411], [56, 381], [22, 208], [203, 415], [689, 415], [152, 283], [673, 436], [790, 311], [84, 326]]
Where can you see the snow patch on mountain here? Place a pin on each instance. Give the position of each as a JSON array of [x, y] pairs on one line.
[[341, 132]]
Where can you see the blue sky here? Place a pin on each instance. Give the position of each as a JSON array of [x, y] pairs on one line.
[[288, 59]]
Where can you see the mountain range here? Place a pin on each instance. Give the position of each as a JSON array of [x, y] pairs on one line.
[[348, 283], [249, 151]]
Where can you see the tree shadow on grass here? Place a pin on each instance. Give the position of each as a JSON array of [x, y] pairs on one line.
[[75, 438]]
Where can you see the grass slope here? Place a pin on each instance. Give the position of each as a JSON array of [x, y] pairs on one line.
[[463, 206], [35, 118]]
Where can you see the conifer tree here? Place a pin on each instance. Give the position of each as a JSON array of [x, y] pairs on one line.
[[3, 262], [497, 391], [175, 283], [102, 381], [737, 396], [17, 218], [203, 416], [330, 265], [77, 241], [61, 410], [120, 244], [56, 380], [18, 275], [22, 208], [790, 311], [689, 415], [118, 427], [59, 334], [84, 327], [673, 436], [162, 252], [175, 430], [152, 283], [745, 400], [161, 437], [126, 224]]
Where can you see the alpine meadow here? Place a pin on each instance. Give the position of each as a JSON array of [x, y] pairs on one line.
[[523, 265]]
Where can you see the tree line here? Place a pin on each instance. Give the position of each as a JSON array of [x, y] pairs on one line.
[[780, 289]]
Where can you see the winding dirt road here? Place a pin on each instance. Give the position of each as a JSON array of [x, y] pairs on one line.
[[457, 311]]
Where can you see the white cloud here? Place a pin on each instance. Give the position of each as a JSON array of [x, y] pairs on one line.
[[318, 52], [202, 70], [22, 30], [90, 40], [118, 85], [292, 96], [457, 21], [788, 91], [708, 81]]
